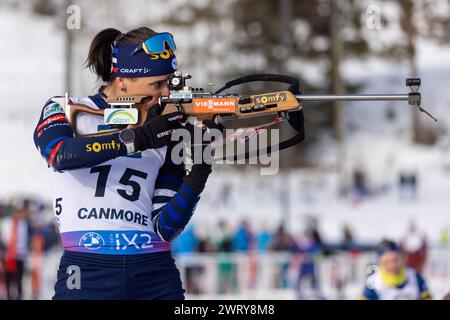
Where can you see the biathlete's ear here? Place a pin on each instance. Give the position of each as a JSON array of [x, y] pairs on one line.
[[121, 84]]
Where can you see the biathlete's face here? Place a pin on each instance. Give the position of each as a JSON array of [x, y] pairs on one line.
[[391, 262], [154, 87]]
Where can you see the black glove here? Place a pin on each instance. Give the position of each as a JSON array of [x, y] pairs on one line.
[[201, 149], [202, 160], [196, 179], [157, 132]]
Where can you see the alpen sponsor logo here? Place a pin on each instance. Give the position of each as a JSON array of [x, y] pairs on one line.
[[52, 109], [58, 117]]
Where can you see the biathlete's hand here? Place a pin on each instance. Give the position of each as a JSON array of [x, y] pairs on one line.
[[157, 132], [201, 149]]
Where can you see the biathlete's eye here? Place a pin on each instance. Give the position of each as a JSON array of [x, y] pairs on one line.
[[160, 84]]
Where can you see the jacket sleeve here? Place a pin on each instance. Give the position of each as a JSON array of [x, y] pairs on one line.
[[174, 200], [55, 140]]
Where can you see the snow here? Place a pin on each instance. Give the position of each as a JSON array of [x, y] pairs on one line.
[[34, 70]]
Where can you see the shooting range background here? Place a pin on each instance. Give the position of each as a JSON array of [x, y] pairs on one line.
[[33, 66]]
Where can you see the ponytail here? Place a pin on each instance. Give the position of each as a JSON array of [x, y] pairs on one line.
[[100, 55]]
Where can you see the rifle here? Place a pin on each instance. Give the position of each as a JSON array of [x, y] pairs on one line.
[[233, 111], [267, 110], [234, 107]]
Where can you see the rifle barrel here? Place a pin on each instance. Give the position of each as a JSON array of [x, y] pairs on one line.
[[353, 97]]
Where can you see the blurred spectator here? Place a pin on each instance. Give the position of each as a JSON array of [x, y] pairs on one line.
[[337, 279], [263, 239], [313, 231], [408, 185], [282, 241], [393, 280], [14, 233], [226, 268], [308, 249], [347, 238], [359, 187], [51, 236], [40, 223], [444, 237], [196, 271], [352, 251], [2, 267], [204, 243], [225, 194], [186, 242], [224, 241], [31, 222], [242, 238], [414, 247], [37, 247]]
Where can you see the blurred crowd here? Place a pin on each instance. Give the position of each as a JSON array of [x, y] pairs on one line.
[[305, 249], [27, 231]]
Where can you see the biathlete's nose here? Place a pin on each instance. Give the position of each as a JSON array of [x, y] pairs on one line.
[[165, 91]]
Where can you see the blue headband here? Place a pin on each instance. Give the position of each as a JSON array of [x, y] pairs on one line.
[[141, 64]]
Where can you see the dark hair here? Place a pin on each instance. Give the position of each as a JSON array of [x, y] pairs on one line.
[[387, 245], [100, 55]]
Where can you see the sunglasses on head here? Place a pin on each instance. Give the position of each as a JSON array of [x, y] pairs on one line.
[[154, 44]]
